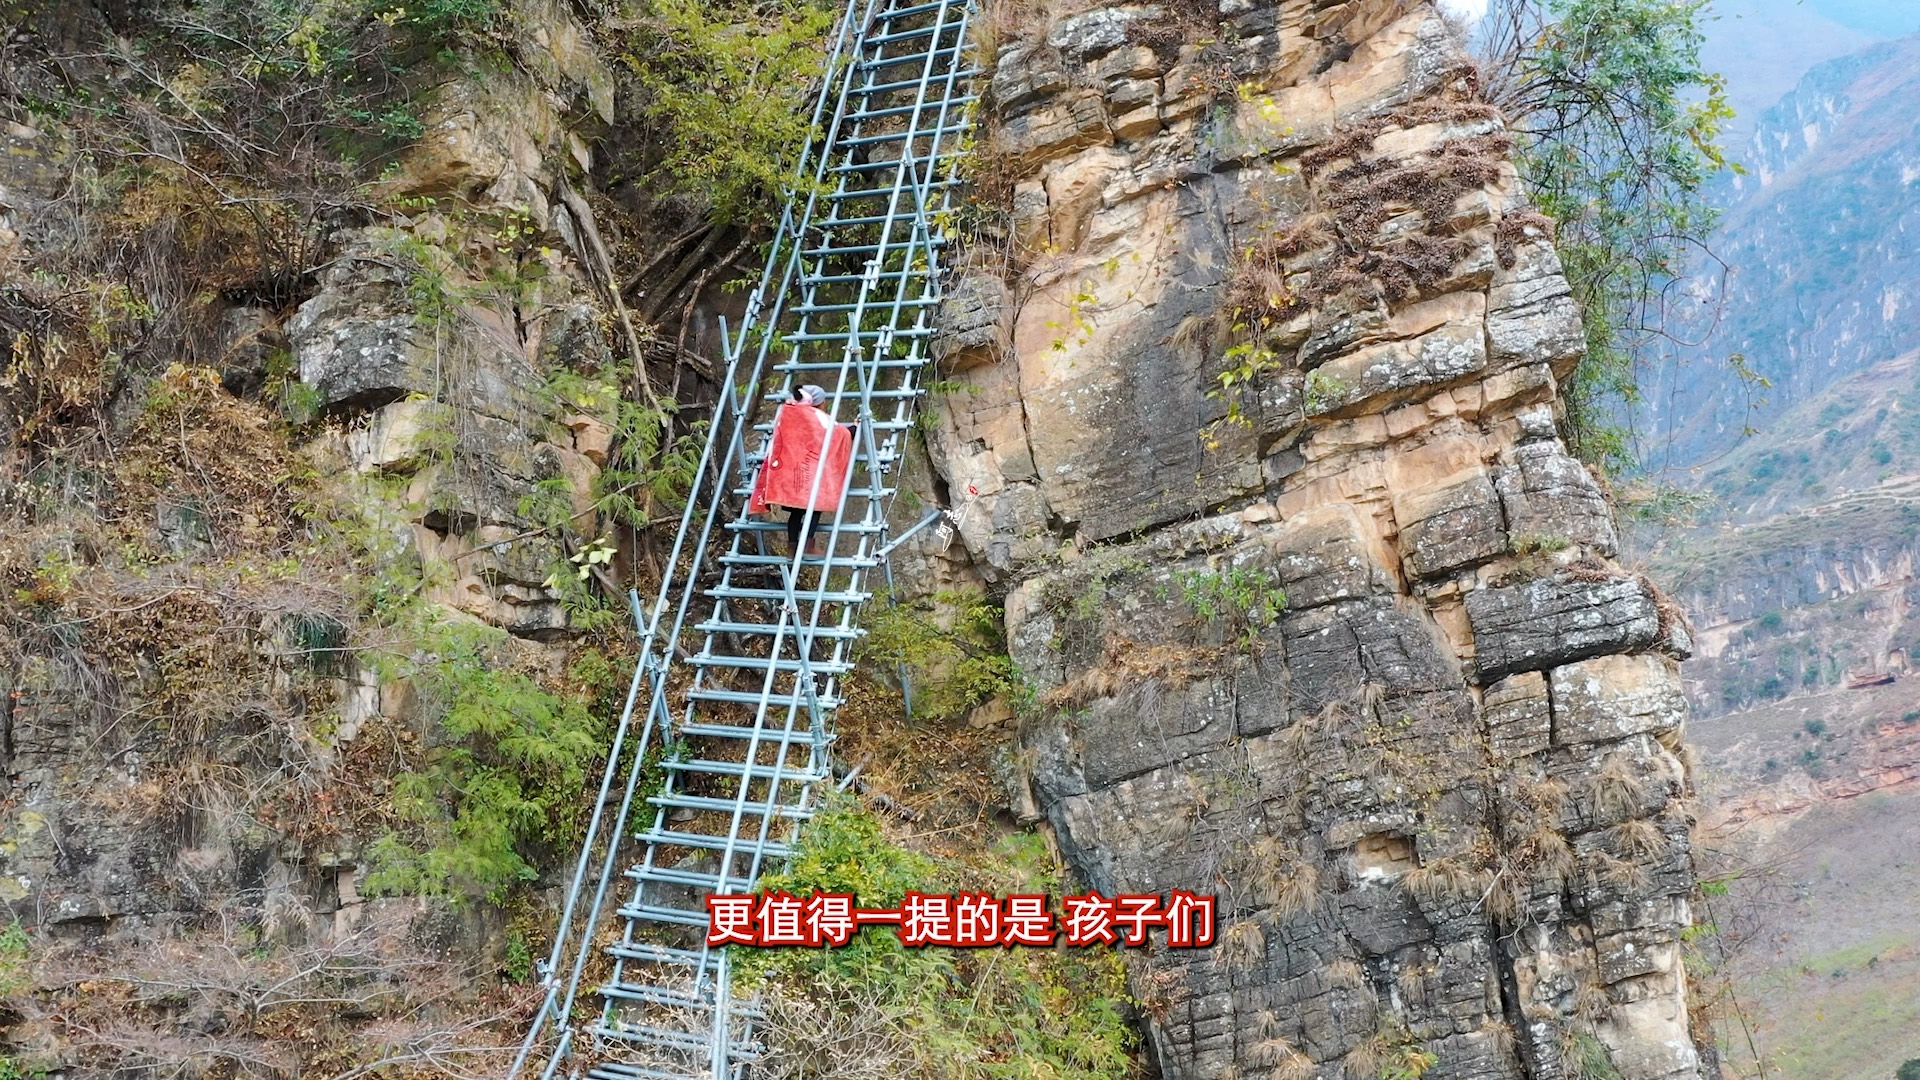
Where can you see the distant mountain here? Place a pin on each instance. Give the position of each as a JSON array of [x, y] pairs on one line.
[[1821, 243], [1805, 611], [1763, 47]]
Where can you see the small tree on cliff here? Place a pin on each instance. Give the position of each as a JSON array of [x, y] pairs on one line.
[[1618, 125]]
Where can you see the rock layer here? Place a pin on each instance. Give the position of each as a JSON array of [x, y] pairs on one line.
[[1341, 642]]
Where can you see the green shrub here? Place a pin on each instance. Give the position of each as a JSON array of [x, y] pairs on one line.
[[948, 1014], [500, 778], [723, 85], [1589, 1059], [1617, 126], [951, 668], [1909, 1070], [1243, 600], [15, 973]]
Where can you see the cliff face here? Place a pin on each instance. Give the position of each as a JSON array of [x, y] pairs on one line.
[[1343, 642], [317, 514]]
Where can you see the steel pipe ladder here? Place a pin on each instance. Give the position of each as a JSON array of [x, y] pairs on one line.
[[722, 748]]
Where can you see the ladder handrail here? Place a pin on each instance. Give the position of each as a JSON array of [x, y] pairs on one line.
[[787, 319]]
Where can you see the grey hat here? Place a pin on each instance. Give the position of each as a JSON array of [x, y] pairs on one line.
[[811, 394]]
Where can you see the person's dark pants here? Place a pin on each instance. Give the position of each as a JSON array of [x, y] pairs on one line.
[[801, 523]]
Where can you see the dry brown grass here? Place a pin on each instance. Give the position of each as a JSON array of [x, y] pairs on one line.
[[1243, 944], [1366, 1059], [1444, 880], [1638, 839], [1346, 974], [1283, 880], [1339, 249], [1547, 854], [939, 769], [837, 1033], [1281, 1059], [1591, 1002], [1626, 875], [1499, 1035], [371, 1001], [1616, 790], [1126, 664]]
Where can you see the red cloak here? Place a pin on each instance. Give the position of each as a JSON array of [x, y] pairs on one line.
[[787, 475]]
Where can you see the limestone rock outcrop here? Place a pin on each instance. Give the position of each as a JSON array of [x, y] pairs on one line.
[[1338, 637], [449, 451]]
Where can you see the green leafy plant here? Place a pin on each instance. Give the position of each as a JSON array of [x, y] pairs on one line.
[[945, 1014], [650, 467], [1242, 600], [1325, 391], [951, 646], [1618, 126], [721, 87], [15, 973], [501, 777], [1407, 1062], [1589, 1059]]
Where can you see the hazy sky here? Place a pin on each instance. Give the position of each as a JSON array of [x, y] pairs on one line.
[[1472, 9]]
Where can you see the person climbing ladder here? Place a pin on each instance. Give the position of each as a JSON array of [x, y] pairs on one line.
[[806, 466]]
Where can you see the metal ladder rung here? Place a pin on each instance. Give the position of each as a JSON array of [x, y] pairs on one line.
[[945, 154], [835, 365], [614, 1070], [766, 737], [882, 63], [658, 954], [654, 1036], [847, 528], [753, 772], [757, 808], [885, 193], [936, 243], [811, 282], [656, 913], [768, 629], [838, 562], [772, 849], [901, 110], [659, 996], [697, 879], [905, 136], [903, 84], [833, 596], [918, 9], [752, 697], [864, 335], [917, 32], [841, 223], [863, 492], [756, 663]]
